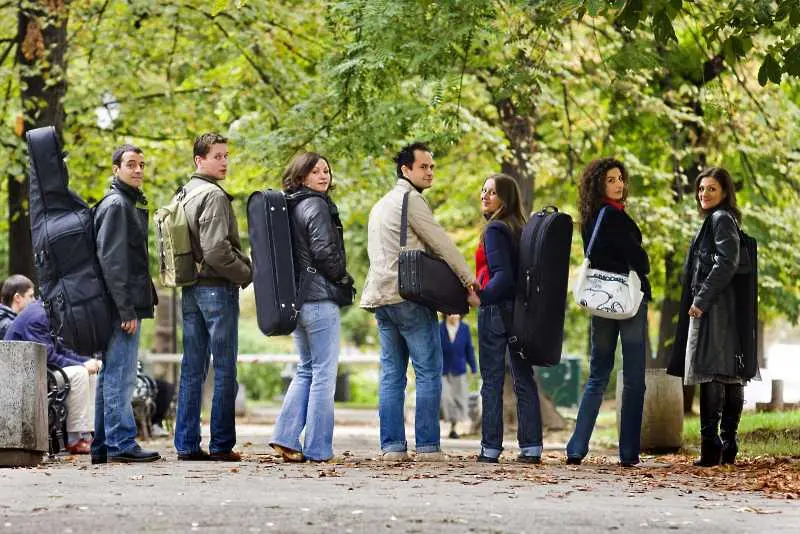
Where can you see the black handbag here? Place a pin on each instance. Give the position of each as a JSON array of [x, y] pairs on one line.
[[428, 280]]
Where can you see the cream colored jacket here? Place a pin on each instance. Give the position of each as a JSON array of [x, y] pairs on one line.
[[383, 245]]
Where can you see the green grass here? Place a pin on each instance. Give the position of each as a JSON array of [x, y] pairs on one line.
[[760, 434]]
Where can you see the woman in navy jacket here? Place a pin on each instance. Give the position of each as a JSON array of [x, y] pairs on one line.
[[457, 352], [496, 260]]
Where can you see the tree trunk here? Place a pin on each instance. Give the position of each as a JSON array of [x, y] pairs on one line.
[[41, 48], [520, 132]]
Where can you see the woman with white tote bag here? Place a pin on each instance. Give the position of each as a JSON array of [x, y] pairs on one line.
[[616, 248]]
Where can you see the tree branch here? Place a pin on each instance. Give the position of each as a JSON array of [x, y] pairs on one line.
[[151, 96], [263, 76], [7, 51], [100, 15]]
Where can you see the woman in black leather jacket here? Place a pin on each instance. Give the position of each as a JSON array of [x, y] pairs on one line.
[[321, 270], [707, 349]]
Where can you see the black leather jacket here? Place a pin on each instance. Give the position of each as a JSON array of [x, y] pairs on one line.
[[318, 242], [121, 234], [710, 266]]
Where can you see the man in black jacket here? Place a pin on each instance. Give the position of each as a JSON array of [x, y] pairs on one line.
[[120, 224]]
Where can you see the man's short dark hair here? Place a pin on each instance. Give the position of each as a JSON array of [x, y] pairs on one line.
[[406, 156], [16, 283], [203, 143], [116, 157]]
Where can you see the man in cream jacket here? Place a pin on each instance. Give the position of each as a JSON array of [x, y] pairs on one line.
[[407, 329]]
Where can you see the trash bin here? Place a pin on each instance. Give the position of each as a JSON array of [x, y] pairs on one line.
[[286, 376], [562, 381], [342, 393]]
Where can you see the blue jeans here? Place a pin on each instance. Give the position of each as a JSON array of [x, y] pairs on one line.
[[604, 333], [493, 345], [409, 330], [309, 400], [114, 425], [210, 327]]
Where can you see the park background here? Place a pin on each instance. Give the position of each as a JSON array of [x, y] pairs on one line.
[[532, 89]]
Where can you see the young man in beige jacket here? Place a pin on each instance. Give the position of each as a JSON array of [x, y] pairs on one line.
[[211, 308], [408, 330]]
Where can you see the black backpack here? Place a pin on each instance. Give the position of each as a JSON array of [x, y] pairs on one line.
[[62, 231]]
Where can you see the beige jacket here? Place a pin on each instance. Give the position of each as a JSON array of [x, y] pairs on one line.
[[215, 236], [383, 244]]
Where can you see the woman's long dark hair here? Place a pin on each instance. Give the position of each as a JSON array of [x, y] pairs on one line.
[[298, 169], [726, 182], [592, 188], [510, 212]]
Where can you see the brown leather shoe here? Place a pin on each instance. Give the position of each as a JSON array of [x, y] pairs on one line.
[[288, 455], [82, 446], [230, 456], [198, 456]]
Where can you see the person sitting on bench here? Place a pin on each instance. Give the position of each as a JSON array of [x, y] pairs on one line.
[[32, 324]]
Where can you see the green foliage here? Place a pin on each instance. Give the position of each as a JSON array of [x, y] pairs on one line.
[[364, 387], [540, 88], [262, 381]]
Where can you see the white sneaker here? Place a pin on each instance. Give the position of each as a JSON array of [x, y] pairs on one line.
[[395, 456], [437, 456], [158, 432]]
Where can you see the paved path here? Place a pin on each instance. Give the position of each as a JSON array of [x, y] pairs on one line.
[[359, 494]]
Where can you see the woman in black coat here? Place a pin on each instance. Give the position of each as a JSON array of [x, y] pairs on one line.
[[618, 249], [707, 349]]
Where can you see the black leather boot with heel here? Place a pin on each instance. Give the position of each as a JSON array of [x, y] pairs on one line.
[[712, 395], [729, 424]]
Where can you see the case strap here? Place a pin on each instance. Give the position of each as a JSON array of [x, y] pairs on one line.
[[404, 221]]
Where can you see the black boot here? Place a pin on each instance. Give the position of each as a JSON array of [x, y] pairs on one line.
[[731, 414], [712, 395]]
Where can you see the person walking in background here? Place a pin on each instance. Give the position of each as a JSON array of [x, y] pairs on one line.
[[495, 260], [457, 353], [120, 224], [707, 348], [408, 330], [617, 248], [318, 249], [211, 308], [16, 293]]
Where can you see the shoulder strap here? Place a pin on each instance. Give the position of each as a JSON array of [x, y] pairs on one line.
[[202, 188], [404, 221], [596, 228], [305, 284]]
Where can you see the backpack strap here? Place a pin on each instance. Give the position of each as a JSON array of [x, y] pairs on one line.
[[184, 195], [305, 284]]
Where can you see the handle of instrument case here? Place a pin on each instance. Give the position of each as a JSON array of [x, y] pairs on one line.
[[549, 209]]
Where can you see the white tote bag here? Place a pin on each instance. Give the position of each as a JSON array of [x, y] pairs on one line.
[[603, 293]]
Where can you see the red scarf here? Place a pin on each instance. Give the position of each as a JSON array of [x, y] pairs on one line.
[[615, 203], [481, 266]]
